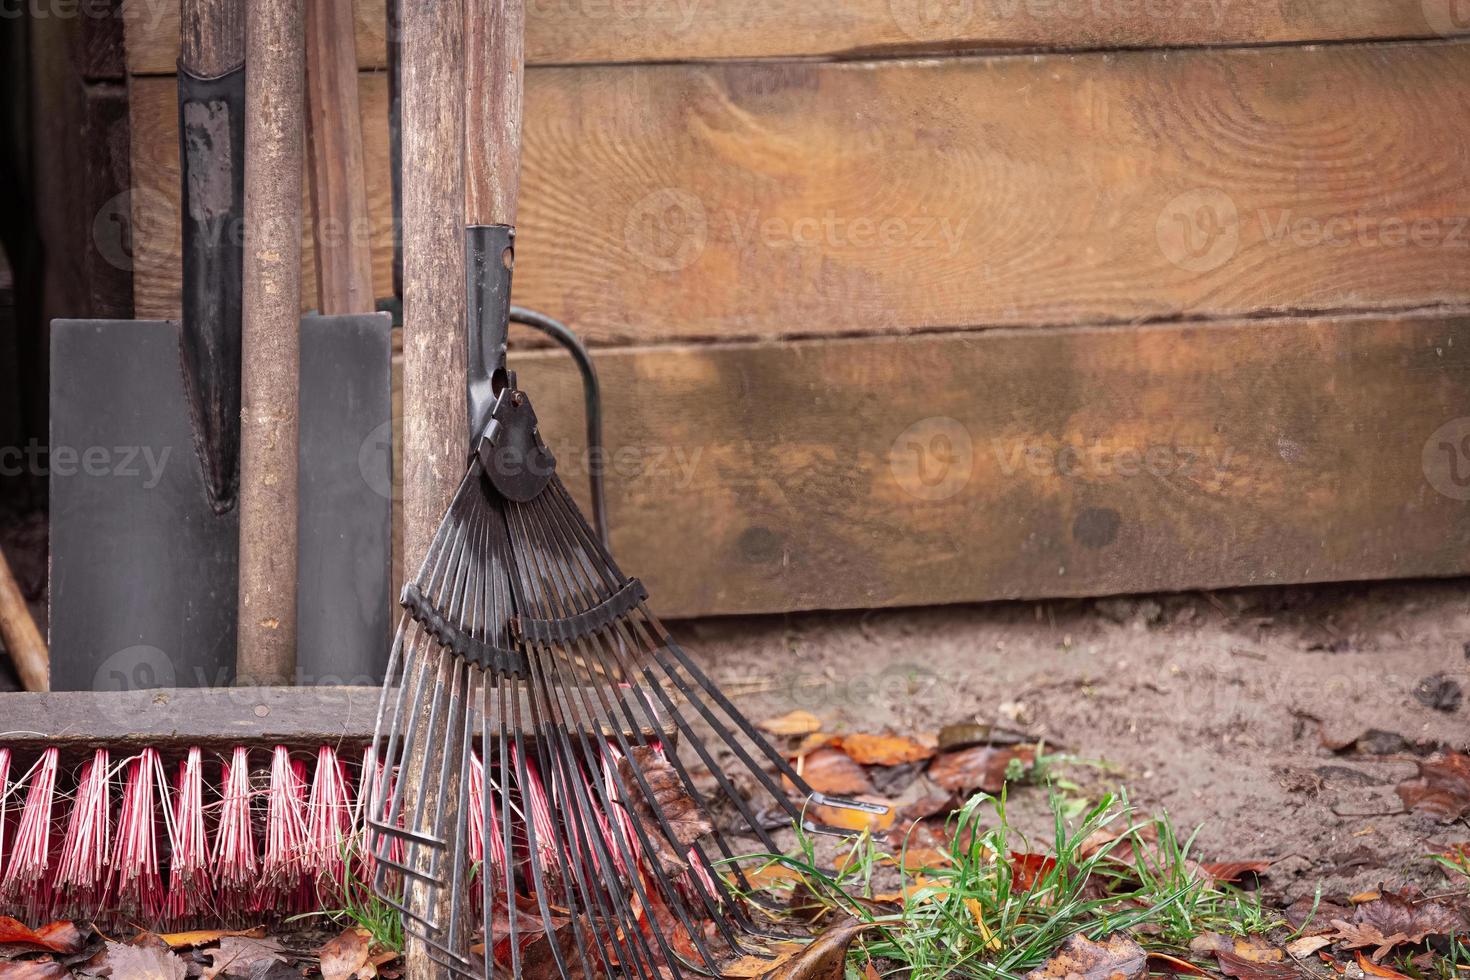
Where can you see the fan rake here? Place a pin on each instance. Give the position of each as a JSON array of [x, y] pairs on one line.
[[561, 755]]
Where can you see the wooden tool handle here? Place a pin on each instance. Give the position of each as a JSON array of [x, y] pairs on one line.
[[494, 86], [22, 638], [212, 36], [275, 53], [340, 226]]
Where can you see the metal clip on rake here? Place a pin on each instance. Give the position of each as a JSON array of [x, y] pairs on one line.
[[543, 695]]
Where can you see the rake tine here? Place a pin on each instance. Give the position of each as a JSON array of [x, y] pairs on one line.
[[558, 572], [666, 886], [589, 833], [505, 817]]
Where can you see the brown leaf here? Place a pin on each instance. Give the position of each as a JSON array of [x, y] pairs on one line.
[[1237, 966], [1252, 949], [750, 967], [1232, 871], [1442, 787], [1373, 969], [825, 958], [885, 750], [1164, 963], [57, 937], [833, 772], [243, 956], [980, 768], [794, 723], [1027, 869], [1117, 957], [679, 810], [204, 937], [1356, 935], [342, 958], [124, 962], [1402, 914], [1306, 913], [1306, 946], [33, 970]]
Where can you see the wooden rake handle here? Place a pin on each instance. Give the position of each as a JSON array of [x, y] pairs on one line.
[[22, 638], [495, 72]]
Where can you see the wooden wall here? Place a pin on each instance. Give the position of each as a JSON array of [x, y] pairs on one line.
[[900, 302]]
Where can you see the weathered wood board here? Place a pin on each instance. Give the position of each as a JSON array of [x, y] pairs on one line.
[[615, 31], [1067, 462], [752, 201]]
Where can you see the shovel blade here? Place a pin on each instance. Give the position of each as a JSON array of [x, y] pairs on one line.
[[144, 572]]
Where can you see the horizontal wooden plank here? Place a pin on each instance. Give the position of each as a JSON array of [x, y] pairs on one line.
[[1070, 462], [613, 31], [761, 200], [175, 718]]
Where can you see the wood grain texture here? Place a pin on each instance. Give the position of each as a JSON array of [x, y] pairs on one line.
[[592, 31], [758, 200], [1071, 462], [494, 94], [435, 440], [170, 719], [211, 36], [340, 225], [275, 36], [22, 638]]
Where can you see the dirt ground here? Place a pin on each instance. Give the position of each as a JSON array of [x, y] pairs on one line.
[[1278, 720]]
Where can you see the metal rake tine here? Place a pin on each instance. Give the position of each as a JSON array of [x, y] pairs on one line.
[[618, 650], [538, 879], [577, 787], [505, 817], [666, 885], [553, 606], [566, 774]]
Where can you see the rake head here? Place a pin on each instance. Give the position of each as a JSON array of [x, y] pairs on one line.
[[550, 732]]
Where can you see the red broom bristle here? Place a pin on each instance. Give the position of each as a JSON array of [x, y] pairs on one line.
[[80, 879], [189, 892], [369, 794], [137, 887], [4, 799], [283, 869], [536, 802], [233, 859], [27, 884], [328, 827]]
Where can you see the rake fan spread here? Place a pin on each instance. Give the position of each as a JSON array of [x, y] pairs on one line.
[[599, 737]]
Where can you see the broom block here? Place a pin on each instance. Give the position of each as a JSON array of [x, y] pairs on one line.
[[174, 719]]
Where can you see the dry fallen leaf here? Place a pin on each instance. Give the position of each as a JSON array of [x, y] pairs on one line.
[[346, 957], [885, 750], [1442, 787], [679, 809], [983, 767], [1117, 957], [832, 771], [33, 970], [1232, 871], [124, 962], [242, 956], [204, 937], [1027, 869], [793, 723], [1244, 969], [825, 958], [1306, 946], [1164, 963], [1397, 918], [750, 967], [1373, 969], [1252, 949], [57, 937]]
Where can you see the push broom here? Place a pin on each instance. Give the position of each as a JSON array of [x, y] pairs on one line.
[[529, 666]]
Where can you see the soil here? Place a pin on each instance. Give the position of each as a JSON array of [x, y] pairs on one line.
[[1278, 721]]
